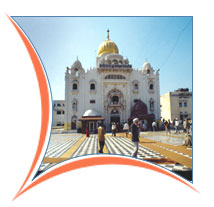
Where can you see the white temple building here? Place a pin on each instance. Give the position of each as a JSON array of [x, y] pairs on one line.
[[113, 91]]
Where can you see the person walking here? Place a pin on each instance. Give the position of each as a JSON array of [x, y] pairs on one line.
[[167, 127], [114, 128], [177, 123], [87, 132], [101, 137], [135, 136], [154, 125], [185, 125], [126, 128]]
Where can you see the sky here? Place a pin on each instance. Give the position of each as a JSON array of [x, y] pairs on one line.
[[166, 42]]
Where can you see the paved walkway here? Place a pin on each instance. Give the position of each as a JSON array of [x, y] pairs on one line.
[[153, 147]]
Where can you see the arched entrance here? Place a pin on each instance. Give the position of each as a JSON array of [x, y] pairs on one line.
[[115, 117], [140, 111]]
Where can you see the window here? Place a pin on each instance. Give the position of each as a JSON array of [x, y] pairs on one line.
[[135, 86], [74, 86], [151, 104], [185, 104], [151, 86], [180, 104], [115, 99], [92, 86], [74, 104], [58, 104], [92, 102], [76, 72], [58, 123], [58, 112]]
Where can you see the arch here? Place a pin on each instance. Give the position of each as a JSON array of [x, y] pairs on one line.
[[151, 104], [74, 122], [118, 96], [115, 99], [92, 86], [135, 84], [74, 104], [136, 87], [114, 61], [109, 62], [151, 86], [74, 86]]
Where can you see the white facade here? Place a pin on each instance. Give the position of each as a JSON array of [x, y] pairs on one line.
[[58, 113], [110, 89]]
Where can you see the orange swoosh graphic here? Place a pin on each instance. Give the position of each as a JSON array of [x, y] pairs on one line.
[[44, 94], [86, 162]]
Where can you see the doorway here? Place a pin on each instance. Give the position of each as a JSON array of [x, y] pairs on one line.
[[91, 127], [115, 119]]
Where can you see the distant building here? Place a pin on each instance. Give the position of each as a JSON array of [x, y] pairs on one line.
[[177, 104], [58, 113]]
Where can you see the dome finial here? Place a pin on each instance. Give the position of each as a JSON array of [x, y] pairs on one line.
[[108, 34]]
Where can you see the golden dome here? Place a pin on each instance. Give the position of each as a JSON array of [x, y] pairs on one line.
[[107, 47]]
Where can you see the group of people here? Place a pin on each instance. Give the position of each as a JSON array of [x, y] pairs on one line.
[[114, 128], [186, 125], [135, 130]]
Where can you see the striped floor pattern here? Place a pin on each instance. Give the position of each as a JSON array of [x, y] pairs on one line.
[[121, 145], [58, 146], [115, 145], [88, 147]]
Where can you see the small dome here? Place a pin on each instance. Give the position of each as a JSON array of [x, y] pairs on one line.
[[139, 108], [146, 66], [107, 46], [77, 64], [91, 112]]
